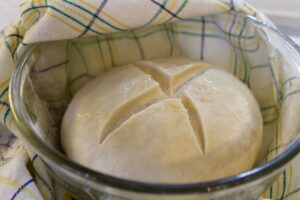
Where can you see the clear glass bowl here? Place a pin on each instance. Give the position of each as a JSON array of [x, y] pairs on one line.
[[39, 128]]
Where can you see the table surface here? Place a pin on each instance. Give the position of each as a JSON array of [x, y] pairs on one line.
[[9, 11]]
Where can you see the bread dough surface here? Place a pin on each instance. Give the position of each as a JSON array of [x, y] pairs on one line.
[[171, 120]]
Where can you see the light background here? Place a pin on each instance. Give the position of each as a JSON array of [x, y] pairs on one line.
[[8, 11]]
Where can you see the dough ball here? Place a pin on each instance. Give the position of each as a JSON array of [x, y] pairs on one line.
[[173, 120]]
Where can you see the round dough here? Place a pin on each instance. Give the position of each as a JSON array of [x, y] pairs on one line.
[[171, 120]]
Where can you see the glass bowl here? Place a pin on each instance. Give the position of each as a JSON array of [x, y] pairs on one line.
[[39, 122]]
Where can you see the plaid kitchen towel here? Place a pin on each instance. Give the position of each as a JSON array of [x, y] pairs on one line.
[[91, 36]]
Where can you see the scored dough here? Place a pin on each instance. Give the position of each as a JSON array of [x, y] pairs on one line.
[[171, 120], [172, 73]]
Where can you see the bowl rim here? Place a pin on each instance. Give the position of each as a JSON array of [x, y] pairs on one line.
[[97, 178]]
